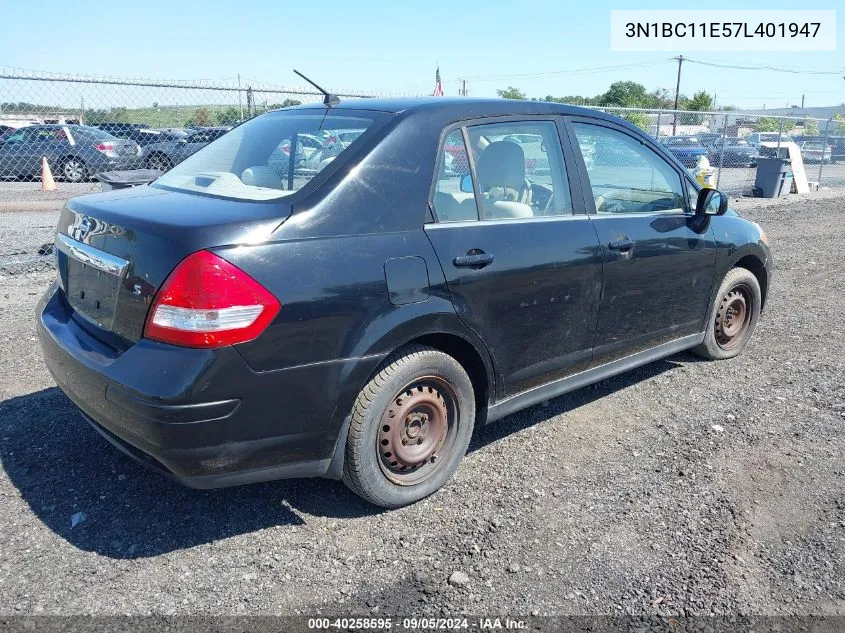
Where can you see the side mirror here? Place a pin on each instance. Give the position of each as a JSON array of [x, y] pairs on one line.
[[711, 202], [466, 184]]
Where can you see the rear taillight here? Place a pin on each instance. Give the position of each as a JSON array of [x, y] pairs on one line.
[[104, 147], [208, 302]]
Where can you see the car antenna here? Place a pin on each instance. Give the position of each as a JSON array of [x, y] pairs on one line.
[[329, 99]]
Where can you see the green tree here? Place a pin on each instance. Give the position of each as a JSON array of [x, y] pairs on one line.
[[640, 119], [766, 124], [700, 101], [229, 116], [839, 126], [626, 94], [511, 93], [811, 128]]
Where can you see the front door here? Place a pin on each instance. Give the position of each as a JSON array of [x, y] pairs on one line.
[[520, 256], [659, 257]]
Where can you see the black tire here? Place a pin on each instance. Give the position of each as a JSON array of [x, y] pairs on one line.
[[159, 162], [733, 316], [73, 169], [413, 373]]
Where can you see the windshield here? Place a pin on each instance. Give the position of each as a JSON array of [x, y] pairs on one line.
[[253, 161]]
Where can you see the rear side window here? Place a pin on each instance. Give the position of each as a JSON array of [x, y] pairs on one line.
[[451, 203], [519, 169], [519, 173], [627, 176], [264, 158]]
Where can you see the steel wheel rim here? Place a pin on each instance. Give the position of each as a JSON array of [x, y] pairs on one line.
[[417, 431], [73, 170], [733, 317]]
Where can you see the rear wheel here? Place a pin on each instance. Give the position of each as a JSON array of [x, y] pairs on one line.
[[74, 169], [159, 162], [733, 316], [410, 428]]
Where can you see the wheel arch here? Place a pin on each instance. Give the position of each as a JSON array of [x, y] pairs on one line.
[[455, 341], [755, 265]]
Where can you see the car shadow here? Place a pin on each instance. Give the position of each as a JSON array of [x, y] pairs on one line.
[[99, 500]]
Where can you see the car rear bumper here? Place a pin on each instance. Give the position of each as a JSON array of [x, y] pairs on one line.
[[202, 417], [110, 164]]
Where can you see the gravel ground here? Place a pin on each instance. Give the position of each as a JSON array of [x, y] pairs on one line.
[[684, 487]]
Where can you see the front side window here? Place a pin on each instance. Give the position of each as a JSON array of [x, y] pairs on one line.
[[519, 170], [627, 176], [263, 158]]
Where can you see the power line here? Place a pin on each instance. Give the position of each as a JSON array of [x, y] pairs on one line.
[[572, 71], [793, 71]]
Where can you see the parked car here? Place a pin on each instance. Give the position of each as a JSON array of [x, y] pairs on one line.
[[119, 129], [732, 151], [165, 154], [686, 149], [707, 138], [770, 144], [835, 142], [236, 322], [141, 133], [74, 152], [815, 152]]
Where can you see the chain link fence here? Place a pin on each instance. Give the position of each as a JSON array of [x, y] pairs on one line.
[[81, 126], [733, 140]]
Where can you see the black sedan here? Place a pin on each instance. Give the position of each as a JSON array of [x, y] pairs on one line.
[[242, 319], [173, 148], [732, 151]]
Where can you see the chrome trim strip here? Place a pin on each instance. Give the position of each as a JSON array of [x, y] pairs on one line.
[[91, 256]]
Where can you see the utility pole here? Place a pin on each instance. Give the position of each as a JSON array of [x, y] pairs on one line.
[[802, 102], [680, 59], [240, 106]]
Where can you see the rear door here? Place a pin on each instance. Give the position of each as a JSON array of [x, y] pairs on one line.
[[659, 257], [521, 259]]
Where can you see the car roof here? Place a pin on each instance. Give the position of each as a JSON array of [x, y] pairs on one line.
[[461, 107]]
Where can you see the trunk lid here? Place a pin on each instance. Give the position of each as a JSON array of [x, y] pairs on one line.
[[115, 249]]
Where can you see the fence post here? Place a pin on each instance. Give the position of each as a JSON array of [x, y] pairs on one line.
[[824, 144], [657, 135], [780, 133], [721, 154]]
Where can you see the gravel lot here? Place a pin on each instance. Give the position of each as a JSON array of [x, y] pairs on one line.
[[685, 487]]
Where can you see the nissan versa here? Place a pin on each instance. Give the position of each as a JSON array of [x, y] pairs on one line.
[[253, 315]]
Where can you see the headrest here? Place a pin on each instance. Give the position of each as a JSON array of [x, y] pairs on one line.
[[501, 164]]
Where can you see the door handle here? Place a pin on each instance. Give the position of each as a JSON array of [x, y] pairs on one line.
[[473, 260], [622, 244]]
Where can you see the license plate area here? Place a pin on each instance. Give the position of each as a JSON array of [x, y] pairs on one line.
[[90, 279]]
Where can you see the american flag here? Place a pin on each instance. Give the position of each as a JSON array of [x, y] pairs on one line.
[[438, 87]]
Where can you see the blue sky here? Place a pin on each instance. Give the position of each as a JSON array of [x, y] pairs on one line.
[[393, 46]]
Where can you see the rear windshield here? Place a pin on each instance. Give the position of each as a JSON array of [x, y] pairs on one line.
[[688, 141], [253, 161]]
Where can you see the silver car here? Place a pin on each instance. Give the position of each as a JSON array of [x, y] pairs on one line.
[[74, 152]]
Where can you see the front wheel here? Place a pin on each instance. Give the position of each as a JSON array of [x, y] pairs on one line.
[[410, 428], [733, 316]]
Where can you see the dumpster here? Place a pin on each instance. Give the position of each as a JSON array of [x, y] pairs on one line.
[[126, 178], [774, 177]]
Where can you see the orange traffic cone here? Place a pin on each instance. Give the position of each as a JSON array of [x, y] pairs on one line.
[[47, 182]]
